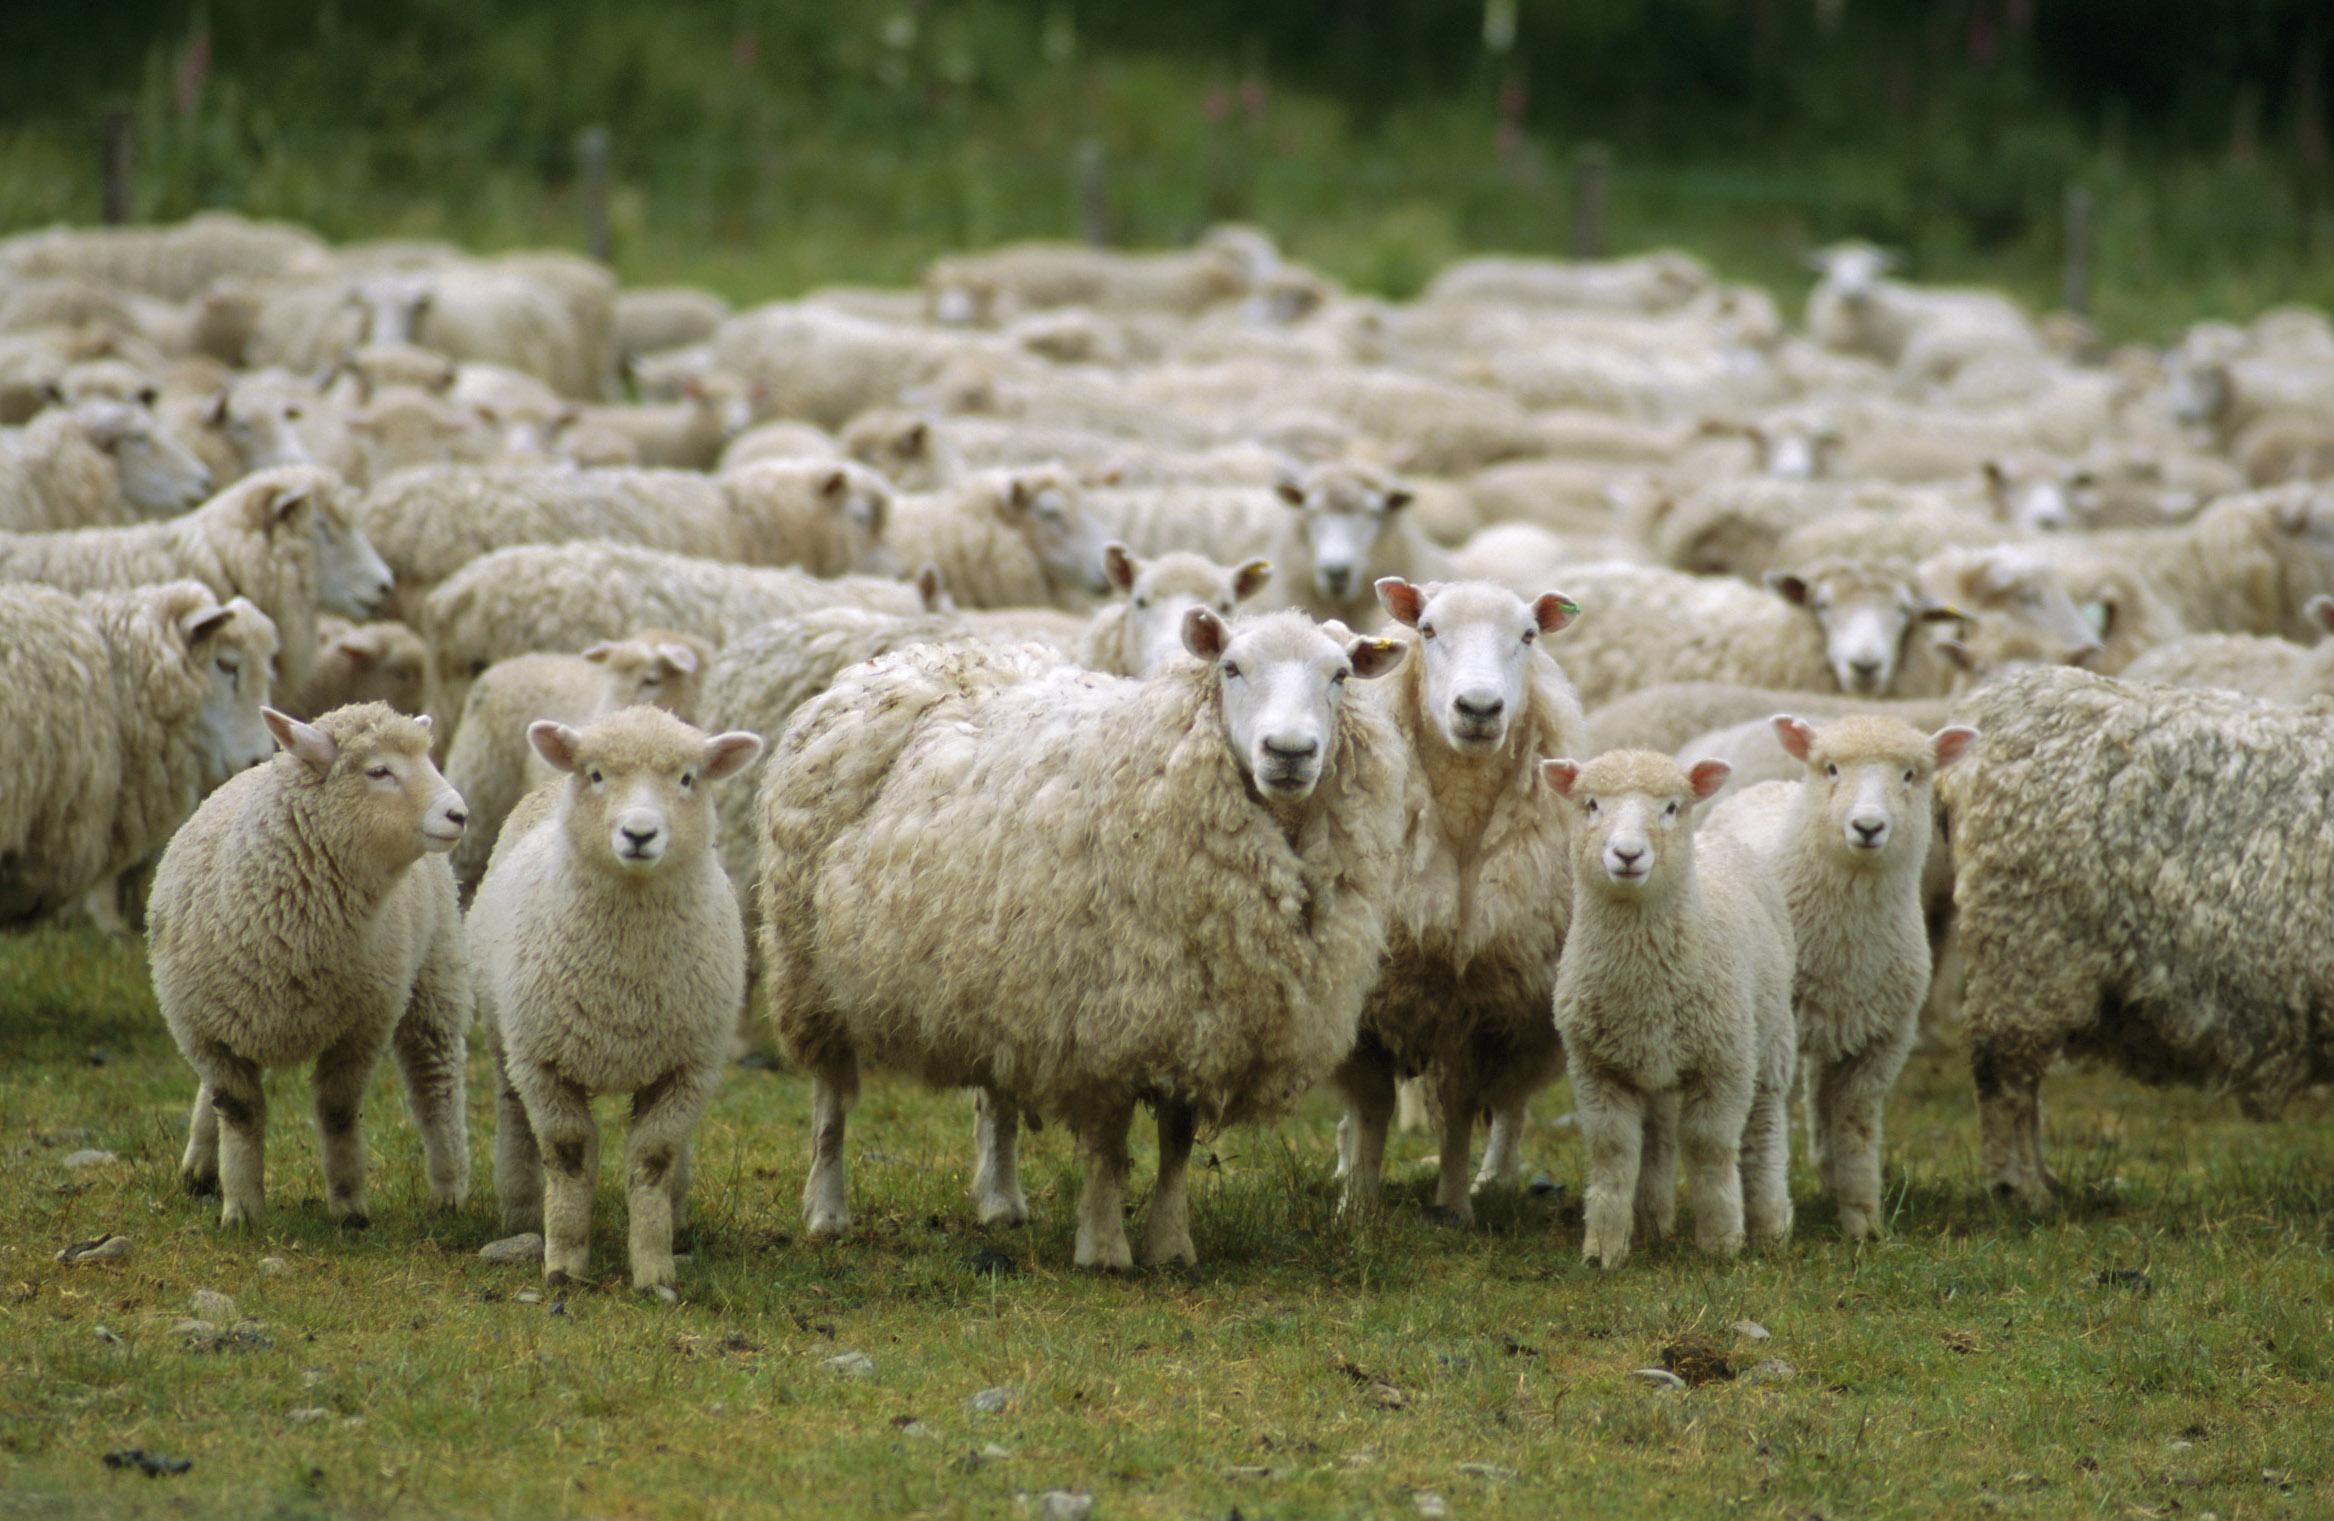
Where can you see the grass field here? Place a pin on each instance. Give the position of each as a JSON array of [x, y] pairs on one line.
[[2162, 1348]]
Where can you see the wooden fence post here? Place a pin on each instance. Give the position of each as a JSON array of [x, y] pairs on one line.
[[1591, 172], [1093, 193], [120, 162], [591, 151], [2077, 295]]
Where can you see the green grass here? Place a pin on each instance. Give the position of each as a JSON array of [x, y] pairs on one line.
[[1974, 1364]]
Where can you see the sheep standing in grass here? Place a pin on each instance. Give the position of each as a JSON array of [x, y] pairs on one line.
[[2144, 878], [1674, 1002], [306, 914], [1847, 844], [1477, 924], [609, 958], [121, 710], [1080, 893]]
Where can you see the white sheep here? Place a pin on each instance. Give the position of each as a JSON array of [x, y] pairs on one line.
[[175, 262], [1479, 915], [1079, 892], [2274, 668], [1138, 635], [1673, 714], [655, 320], [1847, 844], [2247, 564], [1007, 538], [571, 596], [122, 710], [2144, 879], [607, 953], [785, 440], [101, 464], [1655, 282], [1674, 1003], [492, 763], [688, 433], [362, 662], [305, 914]]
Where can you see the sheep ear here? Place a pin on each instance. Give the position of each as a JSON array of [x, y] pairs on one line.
[[1375, 657], [1205, 634], [2099, 612], [199, 626], [2293, 515], [2321, 612], [285, 508], [1957, 654], [555, 742], [1119, 566], [1553, 611], [1400, 497], [598, 654], [1019, 493], [1290, 491], [1249, 579], [1953, 743], [1795, 734], [835, 485], [932, 589], [1940, 612], [309, 743], [918, 437], [215, 410], [680, 657], [1788, 585], [353, 647], [1561, 775], [728, 754], [1707, 777], [1404, 603]]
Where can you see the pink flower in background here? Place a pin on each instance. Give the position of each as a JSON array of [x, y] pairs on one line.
[[186, 91]]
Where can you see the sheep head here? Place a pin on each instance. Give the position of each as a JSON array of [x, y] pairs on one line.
[[638, 801], [1282, 682], [1633, 818], [1870, 777], [1475, 639]]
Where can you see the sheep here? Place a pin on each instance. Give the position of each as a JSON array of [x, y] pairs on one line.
[[1139, 635], [1018, 538], [2247, 564], [1927, 334], [1831, 626], [687, 434], [967, 290], [826, 367], [608, 957], [1349, 532], [826, 517], [265, 538], [1911, 533], [543, 315], [305, 913], [1674, 1005], [369, 662], [1217, 845], [654, 320], [2143, 879], [122, 709], [1656, 282], [401, 427], [2274, 668], [101, 464], [1673, 714], [176, 263], [1479, 918], [1847, 844], [489, 760], [783, 440], [571, 596]]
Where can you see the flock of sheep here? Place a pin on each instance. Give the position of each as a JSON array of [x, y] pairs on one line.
[[1102, 681]]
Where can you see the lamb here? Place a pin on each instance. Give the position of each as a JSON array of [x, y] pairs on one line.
[[1847, 845], [101, 464], [1017, 538], [1139, 635], [571, 596], [2274, 668], [1669, 716], [608, 957], [490, 761], [1479, 917], [305, 913], [122, 710], [1674, 1004], [2247, 564], [265, 538], [829, 518], [2143, 880], [369, 662], [1079, 892]]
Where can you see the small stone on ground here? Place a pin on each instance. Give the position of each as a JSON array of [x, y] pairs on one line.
[[989, 1401], [851, 1365], [527, 1246]]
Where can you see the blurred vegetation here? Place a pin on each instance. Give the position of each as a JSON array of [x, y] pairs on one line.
[[763, 146]]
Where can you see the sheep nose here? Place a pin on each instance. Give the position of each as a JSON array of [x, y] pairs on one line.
[[1869, 830], [636, 835], [1867, 671], [1336, 579], [1628, 855], [1480, 707], [458, 816], [1291, 750]]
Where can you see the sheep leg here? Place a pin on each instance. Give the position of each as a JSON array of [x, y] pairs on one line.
[[1612, 1127], [1102, 1201], [342, 1074], [1167, 1228], [198, 1170], [518, 1156], [2009, 1112], [1366, 1078], [1766, 1164], [1456, 1090], [996, 1187], [664, 1114], [677, 1185], [1710, 1126], [239, 1099], [431, 1055], [1503, 1150], [1410, 1106], [1657, 1169], [833, 1085], [1848, 1104], [569, 1142]]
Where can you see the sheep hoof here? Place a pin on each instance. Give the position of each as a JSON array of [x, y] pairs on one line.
[[662, 1293], [1459, 1216], [827, 1227], [203, 1185], [561, 1278], [1004, 1214]]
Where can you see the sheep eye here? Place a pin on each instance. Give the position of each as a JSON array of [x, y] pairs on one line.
[[1338, 680], [1908, 778], [1670, 812], [1142, 604], [594, 774], [1426, 631], [378, 773], [1531, 634], [1591, 808], [688, 780], [1831, 770], [293, 413], [1231, 672]]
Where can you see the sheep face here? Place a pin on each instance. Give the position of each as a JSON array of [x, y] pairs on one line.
[[861, 501], [262, 422], [231, 646], [1345, 510], [1633, 819], [1048, 510], [1796, 449], [639, 802], [2019, 608], [1282, 682], [1161, 591], [1870, 779], [659, 669], [389, 663], [393, 306], [160, 476], [352, 580], [372, 764], [1853, 271], [2030, 494], [1476, 639], [1865, 613]]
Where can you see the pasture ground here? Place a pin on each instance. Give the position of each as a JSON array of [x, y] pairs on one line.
[[2161, 1348]]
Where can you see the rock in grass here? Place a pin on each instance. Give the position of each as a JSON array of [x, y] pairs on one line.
[[851, 1365], [990, 1401], [1750, 1330], [210, 1304], [1771, 1370], [1661, 1378], [527, 1246], [1058, 1504], [97, 1249], [90, 1158], [1431, 1506], [274, 1267]]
